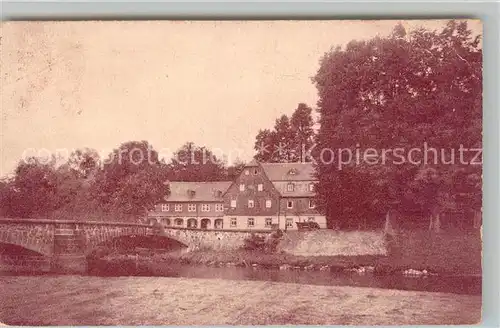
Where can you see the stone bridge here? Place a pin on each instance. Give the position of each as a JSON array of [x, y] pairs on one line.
[[68, 243]]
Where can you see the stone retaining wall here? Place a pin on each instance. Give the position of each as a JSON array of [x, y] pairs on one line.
[[334, 243], [210, 239]]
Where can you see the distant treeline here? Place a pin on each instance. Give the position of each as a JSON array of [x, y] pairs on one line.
[[399, 130], [122, 186]]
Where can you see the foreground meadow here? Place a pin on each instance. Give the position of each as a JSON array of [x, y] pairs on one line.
[[80, 300]]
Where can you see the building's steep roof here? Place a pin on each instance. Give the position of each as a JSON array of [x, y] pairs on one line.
[[197, 191], [289, 171], [299, 190]]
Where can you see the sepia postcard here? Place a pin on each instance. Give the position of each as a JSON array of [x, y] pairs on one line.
[[321, 172]]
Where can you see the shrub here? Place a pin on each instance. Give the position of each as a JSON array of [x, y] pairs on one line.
[[255, 243], [263, 244]]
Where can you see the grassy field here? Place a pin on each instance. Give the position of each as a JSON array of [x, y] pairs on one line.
[[77, 300]]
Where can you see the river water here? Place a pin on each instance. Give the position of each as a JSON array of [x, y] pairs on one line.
[[470, 285]]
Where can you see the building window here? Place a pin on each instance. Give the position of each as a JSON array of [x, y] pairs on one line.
[[250, 222], [290, 187], [311, 203], [311, 187], [192, 207], [178, 207], [289, 204], [255, 171], [250, 203], [269, 222], [164, 207], [310, 219], [289, 223], [192, 223], [179, 222], [205, 207], [260, 187], [165, 221], [219, 207], [205, 223], [233, 203], [218, 224], [242, 187], [247, 172], [233, 222], [268, 203]]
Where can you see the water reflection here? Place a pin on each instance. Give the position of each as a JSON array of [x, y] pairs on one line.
[[449, 284]]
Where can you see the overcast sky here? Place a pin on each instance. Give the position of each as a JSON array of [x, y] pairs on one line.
[[67, 85]]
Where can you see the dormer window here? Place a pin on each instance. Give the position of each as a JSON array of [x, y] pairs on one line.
[[290, 187], [292, 172], [218, 193], [191, 193]]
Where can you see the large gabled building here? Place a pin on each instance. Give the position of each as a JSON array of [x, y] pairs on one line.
[[192, 205], [264, 196], [271, 196]]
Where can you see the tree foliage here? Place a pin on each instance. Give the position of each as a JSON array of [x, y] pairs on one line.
[[194, 163], [123, 186], [402, 91], [290, 139]]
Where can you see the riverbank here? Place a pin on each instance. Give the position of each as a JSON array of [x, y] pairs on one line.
[[247, 258], [410, 263], [78, 300], [414, 252]]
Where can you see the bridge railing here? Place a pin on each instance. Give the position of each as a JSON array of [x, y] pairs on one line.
[[220, 230], [43, 221], [9, 259]]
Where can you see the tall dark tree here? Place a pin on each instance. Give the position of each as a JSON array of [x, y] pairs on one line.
[[234, 170], [302, 128], [402, 91], [265, 142], [289, 141]]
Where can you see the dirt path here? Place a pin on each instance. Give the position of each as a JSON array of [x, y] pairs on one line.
[[75, 300]]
